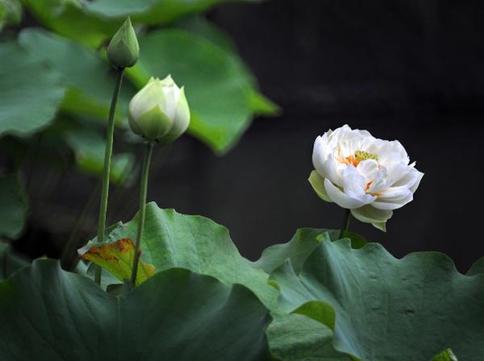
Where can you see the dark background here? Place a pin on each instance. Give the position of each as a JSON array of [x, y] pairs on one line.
[[408, 70]]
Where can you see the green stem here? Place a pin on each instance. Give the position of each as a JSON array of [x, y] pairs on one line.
[[103, 207], [346, 223], [69, 258], [142, 208], [5, 265]]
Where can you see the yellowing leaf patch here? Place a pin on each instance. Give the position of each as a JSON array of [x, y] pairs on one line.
[[117, 258]]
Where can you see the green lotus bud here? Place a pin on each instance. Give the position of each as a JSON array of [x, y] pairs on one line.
[[123, 49], [159, 111]]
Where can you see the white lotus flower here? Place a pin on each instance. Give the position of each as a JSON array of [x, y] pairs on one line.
[[370, 176]]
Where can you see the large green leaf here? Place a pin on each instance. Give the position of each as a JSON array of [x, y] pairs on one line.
[[30, 92], [386, 308], [13, 206], [89, 78], [50, 314], [219, 89], [199, 25], [301, 335], [196, 243]]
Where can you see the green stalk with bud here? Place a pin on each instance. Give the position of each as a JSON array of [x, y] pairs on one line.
[[123, 49], [160, 114], [122, 52]]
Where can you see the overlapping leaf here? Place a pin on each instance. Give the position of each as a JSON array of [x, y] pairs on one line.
[[50, 314], [385, 308], [301, 246], [196, 243]]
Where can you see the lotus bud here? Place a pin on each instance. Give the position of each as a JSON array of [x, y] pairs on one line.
[[123, 49], [159, 112]]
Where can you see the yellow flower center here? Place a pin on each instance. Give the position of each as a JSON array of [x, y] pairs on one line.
[[359, 156]]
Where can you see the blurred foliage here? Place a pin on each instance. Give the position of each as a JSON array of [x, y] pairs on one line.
[[10, 12], [24, 109], [56, 85], [13, 206], [88, 147]]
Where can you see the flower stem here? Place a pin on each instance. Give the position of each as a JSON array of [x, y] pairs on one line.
[[142, 208], [346, 223], [69, 258], [103, 207]]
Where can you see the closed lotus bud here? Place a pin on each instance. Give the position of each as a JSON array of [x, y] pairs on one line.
[[123, 49], [159, 112]]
